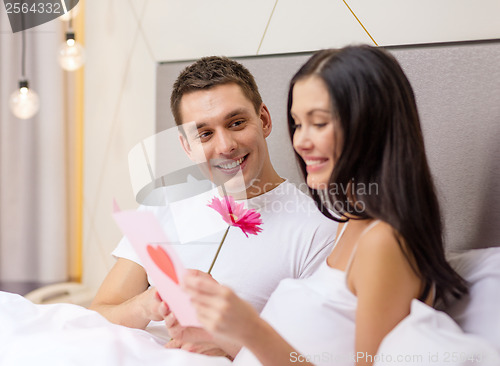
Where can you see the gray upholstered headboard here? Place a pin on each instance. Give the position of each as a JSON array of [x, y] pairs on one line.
[[457, 87]]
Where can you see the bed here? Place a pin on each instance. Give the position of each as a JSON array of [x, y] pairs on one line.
[[458, 93], [67, 334]]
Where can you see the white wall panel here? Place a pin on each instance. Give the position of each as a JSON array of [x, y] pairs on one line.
[[299, 25], [109, 45], [137, 6], [190, 29], [119, 112], [396, 22]]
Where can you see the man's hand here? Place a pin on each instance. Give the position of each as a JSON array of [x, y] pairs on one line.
[[153, 306], [191, 339], [124, 297]]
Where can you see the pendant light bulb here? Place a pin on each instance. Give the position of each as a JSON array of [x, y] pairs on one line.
[[71, 53], [24, 102]]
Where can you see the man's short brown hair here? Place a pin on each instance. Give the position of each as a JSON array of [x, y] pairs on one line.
[[209, 72]]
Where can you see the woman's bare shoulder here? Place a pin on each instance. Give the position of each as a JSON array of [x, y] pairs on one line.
[[380, 249]]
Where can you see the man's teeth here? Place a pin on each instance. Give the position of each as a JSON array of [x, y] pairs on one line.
[[314, 162], [232, 165]]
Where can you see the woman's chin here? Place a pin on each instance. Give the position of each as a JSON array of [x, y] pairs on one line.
[[317, 184]]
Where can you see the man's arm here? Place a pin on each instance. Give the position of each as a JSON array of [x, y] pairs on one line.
[[124, 297]]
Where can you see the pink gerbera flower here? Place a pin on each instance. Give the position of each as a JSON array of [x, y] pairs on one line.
[[235, 214]]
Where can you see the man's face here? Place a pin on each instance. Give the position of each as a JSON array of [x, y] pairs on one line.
[[223, 129]]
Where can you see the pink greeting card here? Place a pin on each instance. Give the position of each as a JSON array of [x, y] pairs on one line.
[[159, 259]]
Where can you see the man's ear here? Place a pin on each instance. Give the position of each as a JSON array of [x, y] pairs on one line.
[[265, 116], [185, 145]]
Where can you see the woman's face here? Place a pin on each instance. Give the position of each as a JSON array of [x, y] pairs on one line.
[[314, 138]]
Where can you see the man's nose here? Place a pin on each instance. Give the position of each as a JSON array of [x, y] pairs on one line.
[[226, 143]]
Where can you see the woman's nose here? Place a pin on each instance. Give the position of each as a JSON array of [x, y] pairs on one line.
[[302, 140]]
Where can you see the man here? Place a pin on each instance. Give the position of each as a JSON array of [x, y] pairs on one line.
[[224, 125]]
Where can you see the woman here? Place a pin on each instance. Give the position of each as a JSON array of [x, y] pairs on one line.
[[354, 126]]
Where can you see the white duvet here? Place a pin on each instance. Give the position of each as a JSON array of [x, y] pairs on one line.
[[430, 337], [65, 335]]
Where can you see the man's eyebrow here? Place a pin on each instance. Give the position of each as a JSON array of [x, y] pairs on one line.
[[236, 112], [198, 125], [192, 126]]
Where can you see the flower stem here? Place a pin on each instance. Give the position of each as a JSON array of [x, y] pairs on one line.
[[218, 250]]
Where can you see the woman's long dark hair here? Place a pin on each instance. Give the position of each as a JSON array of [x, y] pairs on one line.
[[382, 164]]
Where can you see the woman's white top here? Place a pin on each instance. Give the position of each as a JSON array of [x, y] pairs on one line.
[[315, 315]]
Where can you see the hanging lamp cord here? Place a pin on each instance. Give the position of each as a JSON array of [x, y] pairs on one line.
[[23, 49]]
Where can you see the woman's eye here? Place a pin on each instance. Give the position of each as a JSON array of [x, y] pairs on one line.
[[320, 125], [296, 126]]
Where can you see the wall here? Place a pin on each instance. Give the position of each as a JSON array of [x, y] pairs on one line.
[[126, 40]]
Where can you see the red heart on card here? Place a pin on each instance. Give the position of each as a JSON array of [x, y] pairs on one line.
[[163, 261]]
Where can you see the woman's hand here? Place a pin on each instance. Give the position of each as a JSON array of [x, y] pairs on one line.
[[219, 309], [228, 317]]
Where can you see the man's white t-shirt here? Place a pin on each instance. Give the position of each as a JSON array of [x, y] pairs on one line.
[[295, 238]]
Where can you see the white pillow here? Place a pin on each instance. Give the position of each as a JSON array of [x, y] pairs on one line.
[[430, 337], [479, 312]]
